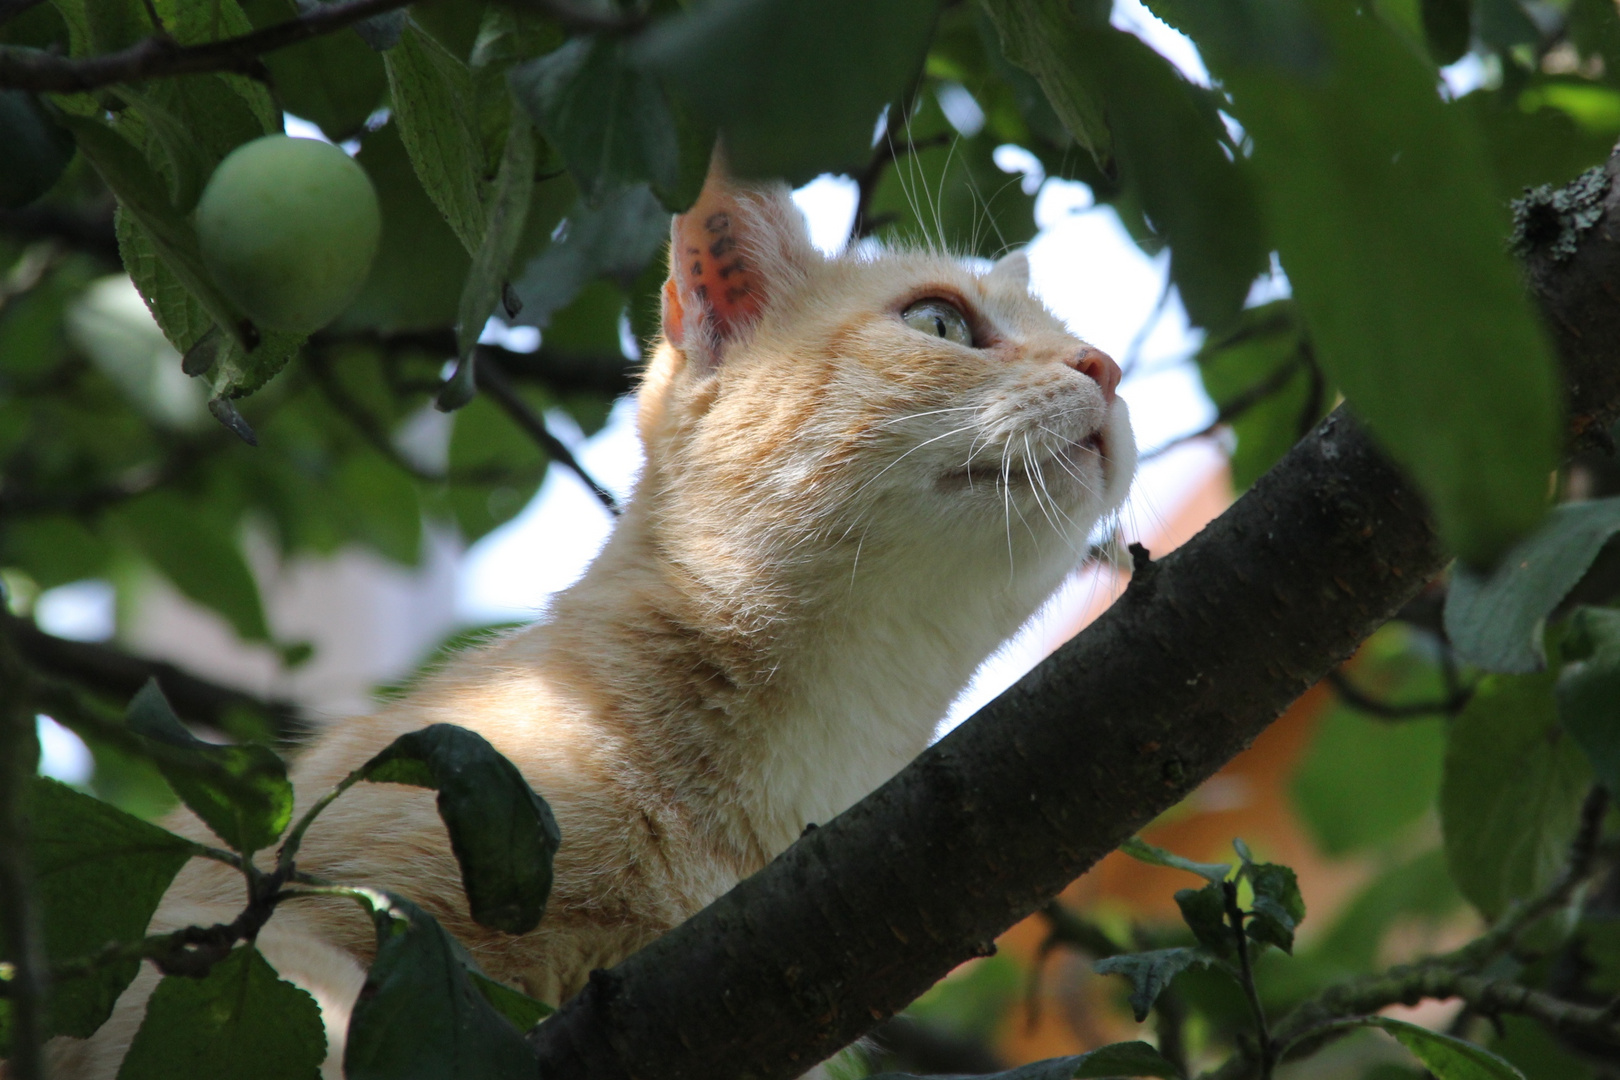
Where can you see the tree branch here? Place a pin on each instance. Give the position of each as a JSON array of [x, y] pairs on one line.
[[1183, 672], [493, 382], [161, 55]]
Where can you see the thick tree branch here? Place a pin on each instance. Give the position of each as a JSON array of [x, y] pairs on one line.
[[1184, 671], [161, 55]]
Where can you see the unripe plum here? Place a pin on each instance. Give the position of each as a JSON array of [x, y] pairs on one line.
[[288, 228]]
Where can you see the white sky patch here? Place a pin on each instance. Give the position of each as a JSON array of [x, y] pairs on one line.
[[1173, 45], [62, 754], [82, 611]]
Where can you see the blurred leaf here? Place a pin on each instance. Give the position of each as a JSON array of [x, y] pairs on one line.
[[607, 117], [240, 792], [1151, 972], [1530, 149], [240, 1020], [1446, 27], [509, 205], [975, 1000], [502, 833], [1115, 1060], [1142, 851], [100, 874], [1379, 200], [1447, 1058], [386, 508], [1277, 908], [1496, 622], [1420, 887], [419, 1016], [1511, 798], [1045, 39], [615, 240], [37, 149], [1502, 24], [1204, 912], [1537, 1052], [417, 276], [1588, 691], [794, 88], [1364, 780], [198, 554], [483, 438], [1595, 109], [1259, 374], [432, 97], [335, 80], [54, 549]]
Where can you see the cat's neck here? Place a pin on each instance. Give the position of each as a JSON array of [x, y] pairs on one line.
[[775, 692]]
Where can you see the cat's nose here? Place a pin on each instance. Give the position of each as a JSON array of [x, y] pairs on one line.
[[1100, 366]]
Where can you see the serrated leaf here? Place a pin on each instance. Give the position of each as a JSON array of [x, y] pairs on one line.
[[1379, 199], [99, 875], [502, 833], [241, 1020], [1496, 621], [142, 194], [607, 117], [240, 792], [1116, 1060], [1446, 1057], [432, 95], [1151, 972], [509, 206], [1042, 38], [762, 72], [1277, 908], [1588, 690], [1511, 796], [617, 239], [1204, 912], [1140, 850], [419, 1015]]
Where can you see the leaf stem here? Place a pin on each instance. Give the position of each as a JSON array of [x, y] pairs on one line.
[[1234, 918], [289, 847]]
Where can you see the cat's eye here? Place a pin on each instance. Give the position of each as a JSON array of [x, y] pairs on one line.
[[940, 318]]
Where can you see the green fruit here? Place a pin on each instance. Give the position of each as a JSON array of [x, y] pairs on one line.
[[288, 228]]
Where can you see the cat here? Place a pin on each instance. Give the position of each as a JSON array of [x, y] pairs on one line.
[[862, 474]]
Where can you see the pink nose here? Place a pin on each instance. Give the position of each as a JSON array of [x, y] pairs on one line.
[[1100, 366]]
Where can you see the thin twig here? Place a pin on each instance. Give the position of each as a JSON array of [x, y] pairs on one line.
[[1133, 352], [1235, 407], [493, 381], [1383, 710], [890, 148], [1234, 918]]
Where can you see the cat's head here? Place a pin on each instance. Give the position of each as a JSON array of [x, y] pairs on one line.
[[830, 411]]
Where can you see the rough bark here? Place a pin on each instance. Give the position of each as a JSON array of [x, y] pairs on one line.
[[1204, 650]]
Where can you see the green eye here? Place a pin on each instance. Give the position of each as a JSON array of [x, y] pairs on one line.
[[939, 318]]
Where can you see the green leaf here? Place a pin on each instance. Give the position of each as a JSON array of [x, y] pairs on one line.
[[1380, 202], [522, 1010], [1044, 39], [762, 72], [240, 1020], [1363, 780], [608, 118], [142, 195], [432, 96], [1511, 798], [1151, 972], [616, 240], [1496, 622], [199, 555], [1204, 912], [419, 1016], [240, 792], [100, 874], [37, 150], [1277, 908], [502, 833], [1446, 1057], [485, 439], [1588, 691], [509, 206], [1115, 1060], [1142, 851], [1446, 27]]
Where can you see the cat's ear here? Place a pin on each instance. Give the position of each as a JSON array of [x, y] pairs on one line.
[[1012, 269], [731, 255]]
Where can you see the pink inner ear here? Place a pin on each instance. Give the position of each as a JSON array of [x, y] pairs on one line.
[[709, 266]]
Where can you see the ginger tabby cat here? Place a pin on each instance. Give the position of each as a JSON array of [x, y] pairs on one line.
[[862, 474]]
